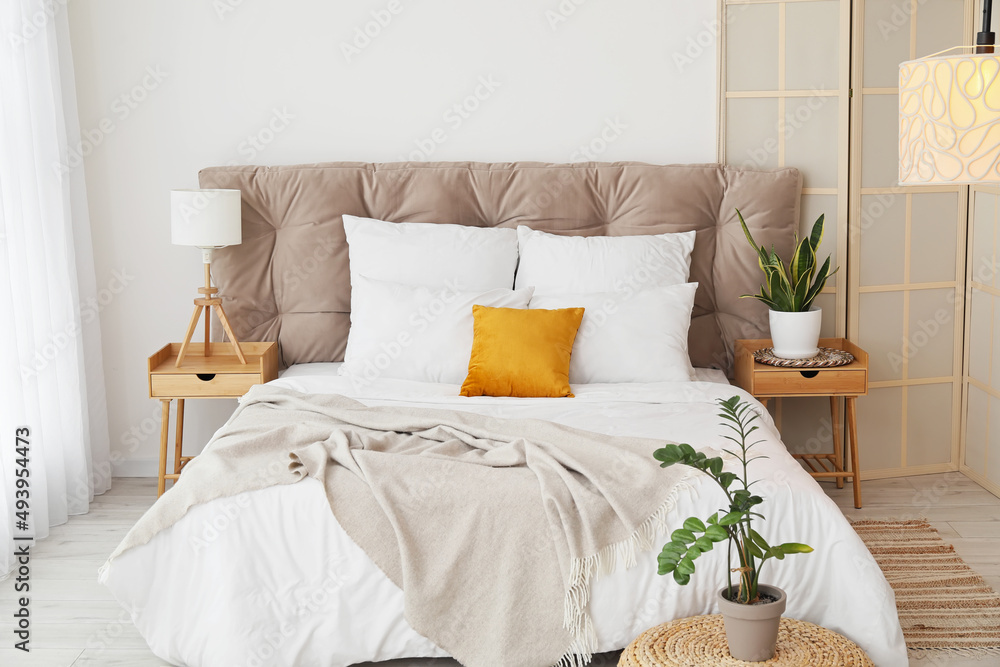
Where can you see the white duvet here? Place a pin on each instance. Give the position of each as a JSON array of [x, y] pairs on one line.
[[269, 577]]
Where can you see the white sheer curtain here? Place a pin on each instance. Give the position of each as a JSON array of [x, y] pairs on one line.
[[51, 377]]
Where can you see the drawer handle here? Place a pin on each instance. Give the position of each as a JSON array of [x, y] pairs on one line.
[[206, 377], [805, 374]]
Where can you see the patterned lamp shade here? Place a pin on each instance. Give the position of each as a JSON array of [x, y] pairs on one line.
[[949, 120]]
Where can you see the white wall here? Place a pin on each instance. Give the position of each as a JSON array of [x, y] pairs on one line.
[[167, 87]]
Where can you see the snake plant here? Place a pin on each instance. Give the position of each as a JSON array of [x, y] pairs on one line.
[[733, 523], [791, 288]]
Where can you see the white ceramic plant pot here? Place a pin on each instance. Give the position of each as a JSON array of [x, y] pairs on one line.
[[796, 335]]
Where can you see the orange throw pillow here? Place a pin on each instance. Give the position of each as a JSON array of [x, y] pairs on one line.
[[521, 352]]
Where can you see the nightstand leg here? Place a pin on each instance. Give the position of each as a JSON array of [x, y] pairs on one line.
[[838, 452], [208, 332], [852, 427], [179, 436], [164, 432]]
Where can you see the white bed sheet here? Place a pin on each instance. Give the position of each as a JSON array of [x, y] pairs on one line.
[[270, 578]]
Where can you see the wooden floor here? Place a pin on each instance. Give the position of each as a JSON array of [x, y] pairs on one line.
[[75, 622]]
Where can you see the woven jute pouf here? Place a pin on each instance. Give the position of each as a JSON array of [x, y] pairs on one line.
[[701, 640]]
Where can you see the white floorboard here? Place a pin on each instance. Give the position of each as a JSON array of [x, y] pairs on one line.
[[76, 623]]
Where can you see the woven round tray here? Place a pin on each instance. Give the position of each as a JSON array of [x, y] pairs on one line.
[[701, 640], [827, 358]]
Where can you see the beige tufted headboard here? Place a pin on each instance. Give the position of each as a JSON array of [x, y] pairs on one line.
[[289, 280]]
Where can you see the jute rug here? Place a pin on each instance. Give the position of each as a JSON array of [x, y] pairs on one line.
[[943, 604]]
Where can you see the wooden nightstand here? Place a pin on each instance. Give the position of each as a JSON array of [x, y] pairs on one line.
[[220, 375], [849, 382]]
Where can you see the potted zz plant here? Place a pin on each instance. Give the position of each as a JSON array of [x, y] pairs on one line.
[[751, 611], [789, 291]]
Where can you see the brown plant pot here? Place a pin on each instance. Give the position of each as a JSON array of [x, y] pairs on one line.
[[752, 629]]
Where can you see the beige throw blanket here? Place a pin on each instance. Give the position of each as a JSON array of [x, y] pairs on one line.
[[493, 528]]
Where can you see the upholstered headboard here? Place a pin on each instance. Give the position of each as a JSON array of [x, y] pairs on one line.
[[289, 280]]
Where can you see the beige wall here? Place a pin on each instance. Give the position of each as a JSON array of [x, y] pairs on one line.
[[901, 251], [167, 87]]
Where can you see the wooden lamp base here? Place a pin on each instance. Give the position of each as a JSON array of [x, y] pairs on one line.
[[207, 303]]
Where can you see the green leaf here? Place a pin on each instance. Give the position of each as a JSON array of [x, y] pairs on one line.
[[681, 579], [726, 479], [666, 568], [693, 552], [686, 566], [777, 553], [801, 290], [674, 549], [795, 548], [746, 230], [704, 543], [754, 550], [816, 236], [714, 519], [687, 451], [681, 535], [668, 454], [695, 525], [818, 283], [759, 540], [715, 465], [716, 533], [781, 293], [731, 518], [803, 262]]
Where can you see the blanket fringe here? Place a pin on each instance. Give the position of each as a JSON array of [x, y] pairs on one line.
[[585, 571]]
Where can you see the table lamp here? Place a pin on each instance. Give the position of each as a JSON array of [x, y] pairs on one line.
[[949, 114], [208, 219]]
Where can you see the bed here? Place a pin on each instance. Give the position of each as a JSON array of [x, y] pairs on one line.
[[269, 576]]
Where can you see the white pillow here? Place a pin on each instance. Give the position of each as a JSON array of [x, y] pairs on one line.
[[639, 336], [585, 264], [416, 333], [430, 254]]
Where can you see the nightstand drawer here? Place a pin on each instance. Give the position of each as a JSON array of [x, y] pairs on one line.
[[187, 385], [825, 382]]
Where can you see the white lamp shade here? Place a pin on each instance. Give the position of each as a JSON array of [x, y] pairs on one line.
[[949, 120], [205, 218]]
